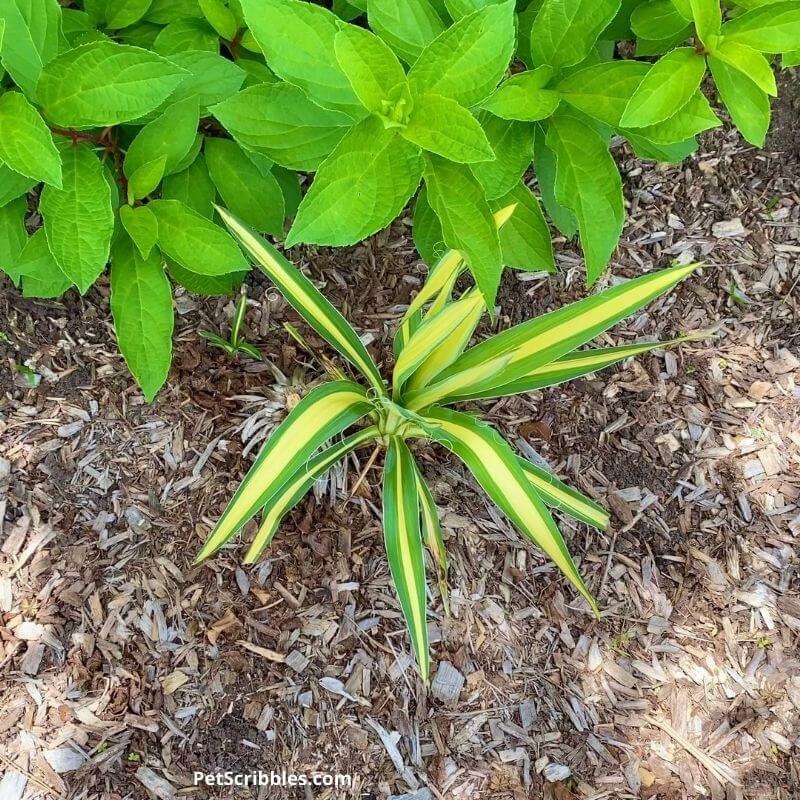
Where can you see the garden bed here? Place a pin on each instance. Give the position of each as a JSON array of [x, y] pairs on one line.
[[123, 660]]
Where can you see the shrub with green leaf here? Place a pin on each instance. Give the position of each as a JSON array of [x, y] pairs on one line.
[[105, 130], [434, 368], [122, 122], [463, 96]]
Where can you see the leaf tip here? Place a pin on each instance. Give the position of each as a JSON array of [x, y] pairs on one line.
[[504, 214]]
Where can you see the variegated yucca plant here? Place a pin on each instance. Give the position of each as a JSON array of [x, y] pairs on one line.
[[434, 368]]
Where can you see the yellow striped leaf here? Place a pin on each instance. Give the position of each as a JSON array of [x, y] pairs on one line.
[[567, 368], [449, 349], [432, 536], [435, 330], [455, 385], [439, 284], [292, 492], [307, 300], [557, 494], [403, 540], [320, 416], [437, 288], [497, 469], [539, 341]]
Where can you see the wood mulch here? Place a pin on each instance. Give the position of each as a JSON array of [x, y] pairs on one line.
[[125, 668]]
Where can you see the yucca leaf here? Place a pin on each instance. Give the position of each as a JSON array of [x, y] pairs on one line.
[[321, 415], [404, 331], [435, 330], [307, 300], [432, 535], [456, 384], [437, 287], [567, 368], [439, 284], [557, 494], [403, 539], [293, 491], [542, 340], [497, 469], [449, 349]]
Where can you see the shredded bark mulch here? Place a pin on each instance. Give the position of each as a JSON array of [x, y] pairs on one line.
[[125, 669]]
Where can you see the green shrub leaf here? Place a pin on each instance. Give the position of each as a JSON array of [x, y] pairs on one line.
[[13, 236], [141, 34], [282, 122], [525, 238], [564, 31], [588, 183], [427, 230], [603, 91], [30, 41], [659, 47], [442, 126], [523, 97], [220, 17], [142, 226], [658, 19], [684, 8], [360, 188], [141, 304], [145, 179], [211, 78], [407, 26], [749, 62], [186, 35], [194, 242], [162, 12], [667, 87], [512, 143], [206, 285], [790, 59], [748, 105], [772, 28], [105, 83], [79, 218], [666, 153], [297, 39], [695, 117], [469, 59], [461, 8], [13, 185], [467, 222], [41, 276], [171, 135], [26, 145], [371, 67], [707, 16], [122, 13], [544, 162], [251, 194], [290, 187], [193, 187]]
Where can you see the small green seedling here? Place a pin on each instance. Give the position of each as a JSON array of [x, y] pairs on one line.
[[236, 343], [737, 295]]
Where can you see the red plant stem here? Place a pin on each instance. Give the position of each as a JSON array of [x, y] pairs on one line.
[[106, 140]]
